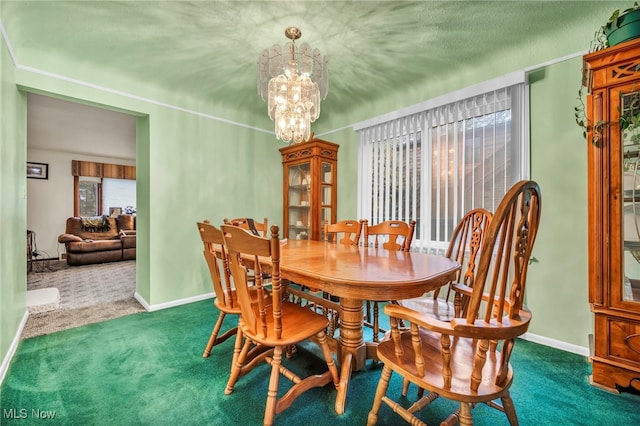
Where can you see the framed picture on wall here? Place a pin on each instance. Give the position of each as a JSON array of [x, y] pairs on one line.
[[37, 170]]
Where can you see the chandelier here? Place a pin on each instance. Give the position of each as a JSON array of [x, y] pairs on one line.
[[293, 81]]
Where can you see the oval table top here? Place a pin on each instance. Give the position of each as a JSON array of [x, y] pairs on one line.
[[364, 272]]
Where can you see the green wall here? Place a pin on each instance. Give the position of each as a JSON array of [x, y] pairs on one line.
[[557, 288], [13, 220]]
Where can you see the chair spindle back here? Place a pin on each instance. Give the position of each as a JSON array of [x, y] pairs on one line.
[[245, 250], [506, 251], [213, 243]]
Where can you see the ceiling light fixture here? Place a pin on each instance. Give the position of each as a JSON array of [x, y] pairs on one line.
[[293, 82]]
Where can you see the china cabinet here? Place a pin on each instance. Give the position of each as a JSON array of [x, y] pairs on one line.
[[613, 80], [310, 178]]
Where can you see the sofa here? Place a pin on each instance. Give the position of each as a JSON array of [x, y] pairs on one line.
[[99, 239]]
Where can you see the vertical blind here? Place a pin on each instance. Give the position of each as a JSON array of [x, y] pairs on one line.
[[434, 165]]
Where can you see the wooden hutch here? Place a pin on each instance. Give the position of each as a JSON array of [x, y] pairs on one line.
[[310, 182], [613, 81]]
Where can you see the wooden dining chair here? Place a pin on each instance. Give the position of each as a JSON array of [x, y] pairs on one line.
[[260, 229], [467, 359], [277, 324], [225, 296], [257, 228], [464, 247], [226, 300], [390, 235], [343, 232]]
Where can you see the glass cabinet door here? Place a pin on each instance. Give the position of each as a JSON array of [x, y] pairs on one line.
[[299, 201], [309, 190], [630, 119], [326, 196]]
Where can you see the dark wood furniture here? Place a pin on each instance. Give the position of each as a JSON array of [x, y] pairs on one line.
[[357, 273], [467, 359], [310, 189], [613, 80], [275, 323]]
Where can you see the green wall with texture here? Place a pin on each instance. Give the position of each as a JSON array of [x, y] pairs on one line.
[[13, 220]]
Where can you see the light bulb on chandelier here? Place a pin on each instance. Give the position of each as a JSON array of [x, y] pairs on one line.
[[293, 82]]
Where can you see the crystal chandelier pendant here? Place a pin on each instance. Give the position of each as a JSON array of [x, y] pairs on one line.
[[292, 84]]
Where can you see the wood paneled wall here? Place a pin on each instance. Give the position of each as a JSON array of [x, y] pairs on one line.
[[102, 170]]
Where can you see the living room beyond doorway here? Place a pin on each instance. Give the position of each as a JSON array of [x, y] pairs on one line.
[[86, 294]]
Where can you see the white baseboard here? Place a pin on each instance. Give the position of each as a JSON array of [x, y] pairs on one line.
[[173, 303], [4, 367], [564, 346]]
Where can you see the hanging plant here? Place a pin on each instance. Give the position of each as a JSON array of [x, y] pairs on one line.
[[630, 117], [620, 27], [580, 112]]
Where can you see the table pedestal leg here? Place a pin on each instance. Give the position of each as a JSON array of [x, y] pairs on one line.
[[352, 349]]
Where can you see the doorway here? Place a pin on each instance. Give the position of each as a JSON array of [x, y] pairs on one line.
[[59, 131]]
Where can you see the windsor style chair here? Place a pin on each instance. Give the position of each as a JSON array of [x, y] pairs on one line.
[[467, 359]]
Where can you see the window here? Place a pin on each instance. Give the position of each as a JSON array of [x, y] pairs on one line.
[[435, 161], [118, 193], [103, 188], [89, 196]]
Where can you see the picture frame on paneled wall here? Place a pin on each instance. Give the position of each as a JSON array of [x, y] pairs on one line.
[[37, 170]]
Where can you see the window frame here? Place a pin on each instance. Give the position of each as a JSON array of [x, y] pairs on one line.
[[416, 116]]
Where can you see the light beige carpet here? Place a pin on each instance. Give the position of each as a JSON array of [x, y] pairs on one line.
[[88, 294]]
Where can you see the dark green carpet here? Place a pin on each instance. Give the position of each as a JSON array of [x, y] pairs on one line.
[[148, 369]]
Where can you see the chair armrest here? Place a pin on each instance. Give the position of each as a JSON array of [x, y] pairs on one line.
[[467, 291], [458, 327], [509, 328], [128, 241], [69, 238], [425, 321], [462, 288], [124, 232]]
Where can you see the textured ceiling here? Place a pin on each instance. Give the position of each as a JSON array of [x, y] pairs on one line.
[[209, 48]]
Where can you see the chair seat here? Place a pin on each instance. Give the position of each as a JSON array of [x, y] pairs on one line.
[[437, 308], [298, 324], [462, 357]]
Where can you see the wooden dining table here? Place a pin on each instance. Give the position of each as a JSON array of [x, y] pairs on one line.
[[355, 274]]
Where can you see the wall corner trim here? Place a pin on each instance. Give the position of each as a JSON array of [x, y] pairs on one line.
[[6, 362]]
